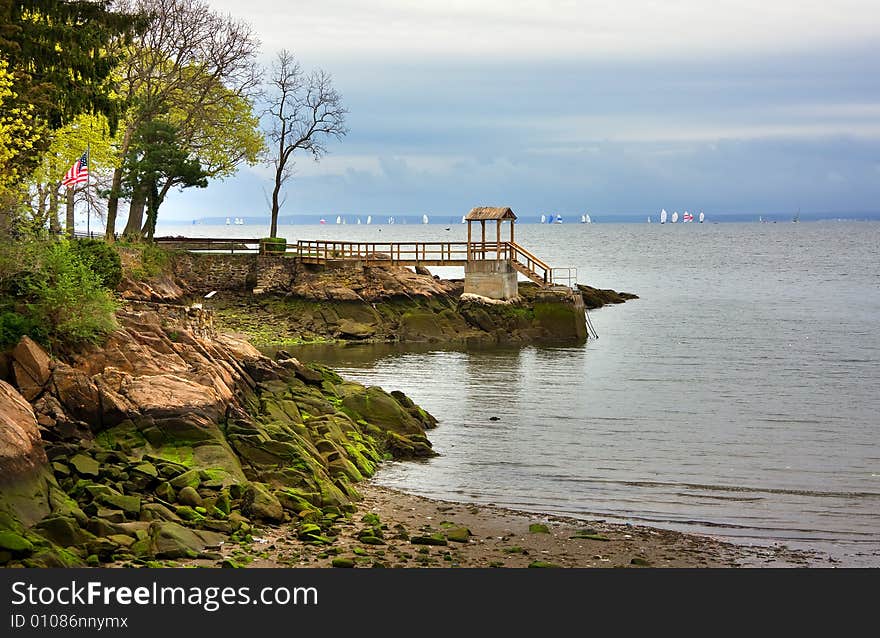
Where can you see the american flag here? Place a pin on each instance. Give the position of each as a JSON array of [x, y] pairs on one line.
[[78, 173]]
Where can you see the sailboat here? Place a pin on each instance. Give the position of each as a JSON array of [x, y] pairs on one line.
[[462, 219], [359, 220], [338, 219], [674, 217], [585, 219], [239, 221], [558, 219], [797, 217], [424, 219], [369, 219], [323, 221], [702, 217], [687, 217], [663, 216], [543, 219], [649, 219], [227, 221]]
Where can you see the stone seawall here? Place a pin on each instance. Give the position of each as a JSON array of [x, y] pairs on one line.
[[215, 271]]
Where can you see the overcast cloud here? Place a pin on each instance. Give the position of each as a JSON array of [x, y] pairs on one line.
[[622, 107]]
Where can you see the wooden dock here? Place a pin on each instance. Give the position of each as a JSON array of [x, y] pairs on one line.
[[426, 254]]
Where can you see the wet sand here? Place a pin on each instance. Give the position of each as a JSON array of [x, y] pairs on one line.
[[497, 537]]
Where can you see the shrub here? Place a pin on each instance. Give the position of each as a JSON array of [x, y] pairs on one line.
[[13, 326], [153, 261], [102, 258], [273, 245], [68, 298], [53, 294]]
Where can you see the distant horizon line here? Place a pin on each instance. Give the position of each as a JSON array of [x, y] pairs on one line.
[[439, 218]]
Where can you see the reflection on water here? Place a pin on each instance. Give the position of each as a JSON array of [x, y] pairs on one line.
[[736, 397]]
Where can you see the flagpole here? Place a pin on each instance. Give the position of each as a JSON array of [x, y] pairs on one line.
[[88, 177]]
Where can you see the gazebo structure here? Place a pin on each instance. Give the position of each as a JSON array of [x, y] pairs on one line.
[[489, 271]]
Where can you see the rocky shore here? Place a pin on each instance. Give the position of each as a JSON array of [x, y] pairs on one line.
[[174, 443], [164, 445]]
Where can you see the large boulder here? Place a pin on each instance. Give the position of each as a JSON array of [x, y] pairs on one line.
[[170, 540], [377, 407], [169, 395], [77, 393], [25, 477], [21, 449], [30, 366]]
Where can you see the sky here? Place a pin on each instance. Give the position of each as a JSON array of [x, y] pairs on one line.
[[572, 107]]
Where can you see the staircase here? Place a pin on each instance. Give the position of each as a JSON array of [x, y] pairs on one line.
[[526, 263]]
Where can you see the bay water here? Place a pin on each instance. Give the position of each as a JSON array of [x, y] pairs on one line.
[[738, 397]]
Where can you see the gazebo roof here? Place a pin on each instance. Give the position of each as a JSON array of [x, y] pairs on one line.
[[486, 212]]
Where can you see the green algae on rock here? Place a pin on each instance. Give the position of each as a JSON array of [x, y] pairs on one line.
[[203, 438]]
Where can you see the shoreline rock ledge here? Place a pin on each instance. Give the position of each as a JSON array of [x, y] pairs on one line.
[[165, 442]]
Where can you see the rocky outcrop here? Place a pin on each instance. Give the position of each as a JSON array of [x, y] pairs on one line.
[[161, 443], [597, 297]]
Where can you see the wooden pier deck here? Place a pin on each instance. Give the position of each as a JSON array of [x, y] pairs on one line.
[[383, 253]]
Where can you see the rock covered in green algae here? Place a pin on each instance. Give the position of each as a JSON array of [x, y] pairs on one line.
[[538, 528], [285, 445]]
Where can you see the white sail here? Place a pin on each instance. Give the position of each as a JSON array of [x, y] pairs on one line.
[[663, 216], [369, 219], [227, 221], [674, 217], [649, 219], [359, 220], [558, 219], [424, 219], [462, 219], [583, 219], [702, 217], [589, 221]]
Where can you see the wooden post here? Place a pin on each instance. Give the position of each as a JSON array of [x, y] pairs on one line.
[[469, 241], [511, 230], [498, 240], [483, 227]]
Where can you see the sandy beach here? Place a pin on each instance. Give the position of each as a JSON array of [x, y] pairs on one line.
[[495, 537]]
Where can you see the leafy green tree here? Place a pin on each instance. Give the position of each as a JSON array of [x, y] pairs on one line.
[[67, 145], [220, 131], [196, 70], [155, 161], [58, 52], [57, 61]]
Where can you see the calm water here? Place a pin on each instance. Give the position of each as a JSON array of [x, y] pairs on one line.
[[738, 397]]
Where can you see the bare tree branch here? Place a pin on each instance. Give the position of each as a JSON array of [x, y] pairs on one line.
[[302, 113]]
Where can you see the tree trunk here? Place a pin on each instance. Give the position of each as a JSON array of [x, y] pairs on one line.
[[149, 228], [135, 214], [153, 203], [113, 205], [54, 223], [69, 221], [273, 230], [113, 201]]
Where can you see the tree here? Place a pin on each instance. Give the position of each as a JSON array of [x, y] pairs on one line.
[[56, 59], [67, 144], [157, 162], [223, 135], [190, 68], [58, 52], [303, 112]]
